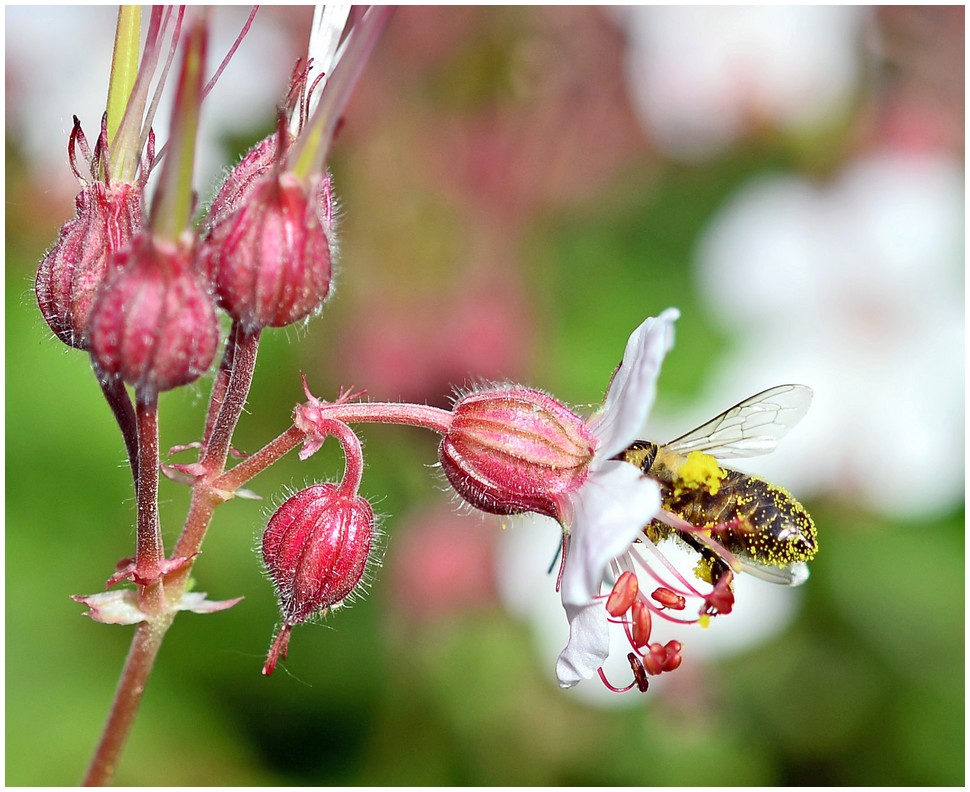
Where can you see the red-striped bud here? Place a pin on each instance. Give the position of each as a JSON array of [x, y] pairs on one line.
[[105, 220], [269, 260], [515, 450], [153, 323], [315, 548]]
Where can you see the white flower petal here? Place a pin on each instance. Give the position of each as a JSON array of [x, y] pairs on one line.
[[589, 644], [610, 510], [631, 393]]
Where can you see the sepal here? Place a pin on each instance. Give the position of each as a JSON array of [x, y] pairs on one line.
[[121, 607]]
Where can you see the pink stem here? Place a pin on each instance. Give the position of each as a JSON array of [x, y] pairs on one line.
[[120, 404], [221, 384], [131, 686], [234, 399], [433, 418], [149, 552]]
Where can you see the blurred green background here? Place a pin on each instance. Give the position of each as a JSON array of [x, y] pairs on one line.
[[503, 216]]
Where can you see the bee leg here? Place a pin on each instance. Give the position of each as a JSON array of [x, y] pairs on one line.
[[719, 567]]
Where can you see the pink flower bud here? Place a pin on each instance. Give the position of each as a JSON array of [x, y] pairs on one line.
[[153, 323], [514, 450], [241, 180], [315, 548], [269, 261], [106, 218]]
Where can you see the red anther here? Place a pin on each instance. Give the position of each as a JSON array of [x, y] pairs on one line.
[[669, 599], [721, 599], [654, 660], [673, 659], [642, 624], [623, 595], [639, 672]]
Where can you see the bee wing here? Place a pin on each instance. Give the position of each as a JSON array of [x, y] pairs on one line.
[[750, 428], [793, 575]]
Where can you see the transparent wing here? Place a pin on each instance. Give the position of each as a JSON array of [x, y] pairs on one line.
[[793, 575], [750, 428]]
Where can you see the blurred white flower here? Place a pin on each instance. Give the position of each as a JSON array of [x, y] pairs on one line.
[[702, 77], [854, 287]]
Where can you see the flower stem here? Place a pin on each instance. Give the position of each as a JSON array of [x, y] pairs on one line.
[[421, 415], [149, 552], [245, 345], [131, 686], [120, 404], [258, 462], [221, 384]]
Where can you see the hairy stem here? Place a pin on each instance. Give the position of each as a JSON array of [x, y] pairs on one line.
[[258, 462], [131, 686], [149, 552], [221, 383], [245, 347]]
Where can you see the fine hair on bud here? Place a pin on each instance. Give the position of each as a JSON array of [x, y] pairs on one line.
[[316, 548], [511, 449], [269, 261], [106, 218], [154, 324]]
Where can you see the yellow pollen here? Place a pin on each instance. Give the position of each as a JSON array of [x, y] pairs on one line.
[[699, 471], [704, 620]]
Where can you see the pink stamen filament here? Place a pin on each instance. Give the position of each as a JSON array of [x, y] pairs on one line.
[[612, 687], [685, 588], [702, 536]]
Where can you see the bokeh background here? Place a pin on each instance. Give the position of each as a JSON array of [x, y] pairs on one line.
[[519, 188]]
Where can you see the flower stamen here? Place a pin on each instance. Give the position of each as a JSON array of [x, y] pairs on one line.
[[669, 599]]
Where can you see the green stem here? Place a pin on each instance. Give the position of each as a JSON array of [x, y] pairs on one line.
[[124, 66], [172, 208]]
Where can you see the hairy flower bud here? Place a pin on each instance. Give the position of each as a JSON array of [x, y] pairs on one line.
[[107, 216], [241, 180], [269, 260], [153, 323], [315, 548], [514, 450]]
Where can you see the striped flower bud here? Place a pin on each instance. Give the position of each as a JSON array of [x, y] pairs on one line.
[[153, 323], [105, 220], [514, 450], [315, 549], [269, 261]]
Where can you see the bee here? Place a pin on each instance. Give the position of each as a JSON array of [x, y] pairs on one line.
[[770, 534]]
